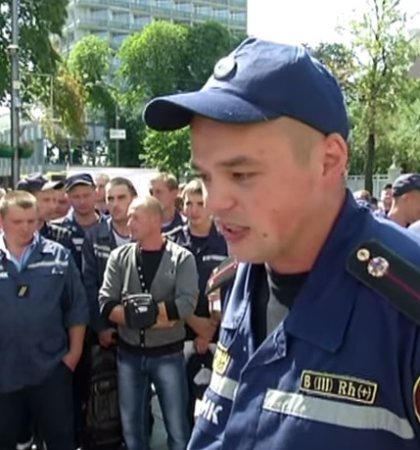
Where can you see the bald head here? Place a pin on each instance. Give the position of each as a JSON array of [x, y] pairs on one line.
[[149, 205]]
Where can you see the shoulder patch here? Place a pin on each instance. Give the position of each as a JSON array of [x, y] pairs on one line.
[[389, 275], [222, 274]]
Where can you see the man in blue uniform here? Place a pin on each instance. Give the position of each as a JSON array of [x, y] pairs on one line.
[[80, 189], [46, 198], [201, 237], [42, 326], [97, 246], [405, 208], [164, 186], [319, 342]]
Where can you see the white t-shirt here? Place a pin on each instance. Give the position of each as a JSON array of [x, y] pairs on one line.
[[415, 227], [121, 240]]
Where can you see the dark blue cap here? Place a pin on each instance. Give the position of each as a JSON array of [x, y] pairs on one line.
[[259, 81], [78, 180], [36, 183], [406, 183]]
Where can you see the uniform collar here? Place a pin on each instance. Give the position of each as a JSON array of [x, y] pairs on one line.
[[323, 307], [30, 246], [70, 217]]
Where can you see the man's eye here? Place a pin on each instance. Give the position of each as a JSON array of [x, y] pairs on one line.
[[242, 176], [203, 177]]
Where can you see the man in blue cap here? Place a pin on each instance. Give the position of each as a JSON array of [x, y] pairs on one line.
[[405, 208], [80, 189], [44, 191], [323, 286]]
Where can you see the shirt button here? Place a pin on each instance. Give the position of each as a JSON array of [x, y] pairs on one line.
[[141, 345]]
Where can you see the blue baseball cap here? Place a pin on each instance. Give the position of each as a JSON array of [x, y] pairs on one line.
[[259, 81], [406, 183], [78, 179], [37, 183]]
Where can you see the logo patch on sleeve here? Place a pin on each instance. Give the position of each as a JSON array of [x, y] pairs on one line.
[[338, 386], [221, 359]]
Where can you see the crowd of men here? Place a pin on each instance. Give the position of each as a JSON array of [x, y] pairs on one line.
[[122, 271], [318, 343], [399, 201]]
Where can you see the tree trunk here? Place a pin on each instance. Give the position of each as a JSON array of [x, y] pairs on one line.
[[370, 160]]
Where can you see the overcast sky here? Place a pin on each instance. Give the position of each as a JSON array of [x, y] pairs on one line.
[[308, 21]]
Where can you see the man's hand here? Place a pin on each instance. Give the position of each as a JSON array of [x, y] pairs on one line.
[[201, 345], [204, 327], [107, 338], [162, 318], [71, 360], [118, 315]]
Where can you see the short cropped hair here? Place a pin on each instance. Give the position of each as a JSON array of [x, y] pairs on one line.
[[149, 203], [121, 181], [194, 187], [101, 177], [168, 178], [21, 199]]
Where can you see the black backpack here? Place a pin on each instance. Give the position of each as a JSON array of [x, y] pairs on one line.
[[102, 428]]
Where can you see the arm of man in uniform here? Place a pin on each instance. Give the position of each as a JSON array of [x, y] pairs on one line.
[[111, 291], [90, 281], [76, 314], [186, 293]]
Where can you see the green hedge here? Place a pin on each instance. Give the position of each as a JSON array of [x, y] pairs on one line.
[[6, 151]]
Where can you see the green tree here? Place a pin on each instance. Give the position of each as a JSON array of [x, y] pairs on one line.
[[38, 21], [153, 60], [168, 152], [206, 44], [339, 59], [384, 55]]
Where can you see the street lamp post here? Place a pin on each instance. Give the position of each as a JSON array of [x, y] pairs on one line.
[[117, 141], [15, 92]]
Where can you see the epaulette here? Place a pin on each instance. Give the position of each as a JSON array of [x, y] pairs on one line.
[[388, 274], [222, 274]]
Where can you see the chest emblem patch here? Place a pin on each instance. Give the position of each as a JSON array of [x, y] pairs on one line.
[[338, 386]]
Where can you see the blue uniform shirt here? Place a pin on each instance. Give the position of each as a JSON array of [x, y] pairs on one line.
[[38, 304], [338, 373], [175, 225], [77, 234], [97, 246], [207, 257]]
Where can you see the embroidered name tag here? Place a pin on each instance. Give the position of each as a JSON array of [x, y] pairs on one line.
[[221, 359], [338, 386]]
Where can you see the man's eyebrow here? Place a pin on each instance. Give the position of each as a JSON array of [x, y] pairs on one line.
[[231, 163]]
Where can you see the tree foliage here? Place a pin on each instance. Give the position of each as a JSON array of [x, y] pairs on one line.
[[384, 55], [382, 100], [169, 152], [153, 60], [166, 58], [38, 20], [206, 43]]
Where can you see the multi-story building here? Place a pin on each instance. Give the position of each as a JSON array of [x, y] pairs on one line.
[[114, 20]]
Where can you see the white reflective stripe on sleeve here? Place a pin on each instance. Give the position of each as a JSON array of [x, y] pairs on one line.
[[337, 413], [223, 386], [218, 258], [48, 264], [104, 255], [104, 248]]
